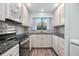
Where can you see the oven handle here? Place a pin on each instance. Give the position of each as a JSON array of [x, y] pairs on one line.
[[24, 41]]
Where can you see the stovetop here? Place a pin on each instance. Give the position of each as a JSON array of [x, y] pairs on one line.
[[7, 41]]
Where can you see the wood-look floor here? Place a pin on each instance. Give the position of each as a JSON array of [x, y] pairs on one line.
[[39, 52], [42, 52]]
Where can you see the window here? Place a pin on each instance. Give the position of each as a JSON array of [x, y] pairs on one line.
[[40, 24]]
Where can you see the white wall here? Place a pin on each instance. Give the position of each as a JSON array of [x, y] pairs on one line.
[[71, 24]]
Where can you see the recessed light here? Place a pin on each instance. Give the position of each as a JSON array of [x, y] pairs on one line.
[[29, 4], [42, 9], [19, 4], [55, 4]]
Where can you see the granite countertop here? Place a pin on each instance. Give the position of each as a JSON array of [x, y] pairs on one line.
[[59, 34], [41, 32], [22, 37], [5, 46]]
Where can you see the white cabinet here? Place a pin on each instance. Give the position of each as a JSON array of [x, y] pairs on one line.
[[47, 40], [13, 11], [55, 43], [10, 11], [61, 47], [58, 45], [2, 11], [59, 15], [14, 51], [36, 41], [41, 40], [56, 17], [25, 16]]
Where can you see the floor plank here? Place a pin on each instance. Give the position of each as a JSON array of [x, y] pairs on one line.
[[42, 52], [39, 52]]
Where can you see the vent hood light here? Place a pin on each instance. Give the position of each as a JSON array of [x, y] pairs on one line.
[[19, 4]]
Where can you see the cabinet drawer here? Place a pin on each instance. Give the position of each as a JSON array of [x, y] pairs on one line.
[[11, 51]]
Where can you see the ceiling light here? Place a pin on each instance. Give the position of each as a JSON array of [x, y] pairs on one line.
[[42, 9], [29, 4], [55, 4], [19, 4]]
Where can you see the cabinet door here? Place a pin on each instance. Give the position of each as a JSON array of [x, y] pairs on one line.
[[47, 40], [36, 42], [41, 40], [2, 11], [12, 52], [55, 43], [61, 46], [56, 17], [56, 40], [15, 12], [61, 14], [25, 15]]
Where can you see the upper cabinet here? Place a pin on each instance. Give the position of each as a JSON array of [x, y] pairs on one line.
[[2, 13], [25, 16], [13, 11], [59, 15]]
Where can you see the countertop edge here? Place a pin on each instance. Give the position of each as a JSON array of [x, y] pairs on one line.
[[59, 35]]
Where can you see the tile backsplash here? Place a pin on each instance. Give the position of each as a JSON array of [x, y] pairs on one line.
[[59, 29], [18, 27]]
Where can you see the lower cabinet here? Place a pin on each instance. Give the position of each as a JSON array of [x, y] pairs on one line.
[[14, 51], [58, 45], [41, 40], [61, 46], [55, 43]]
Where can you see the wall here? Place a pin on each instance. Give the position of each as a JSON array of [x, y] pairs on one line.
[[32, 15], [20, 29], [71, 24], [59, 29]]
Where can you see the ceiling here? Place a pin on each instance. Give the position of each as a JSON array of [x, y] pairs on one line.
[[37, 7]]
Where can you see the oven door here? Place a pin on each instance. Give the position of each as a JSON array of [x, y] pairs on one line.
[[24, 48]]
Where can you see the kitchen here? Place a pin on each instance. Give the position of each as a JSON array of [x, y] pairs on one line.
[[38, 29]]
